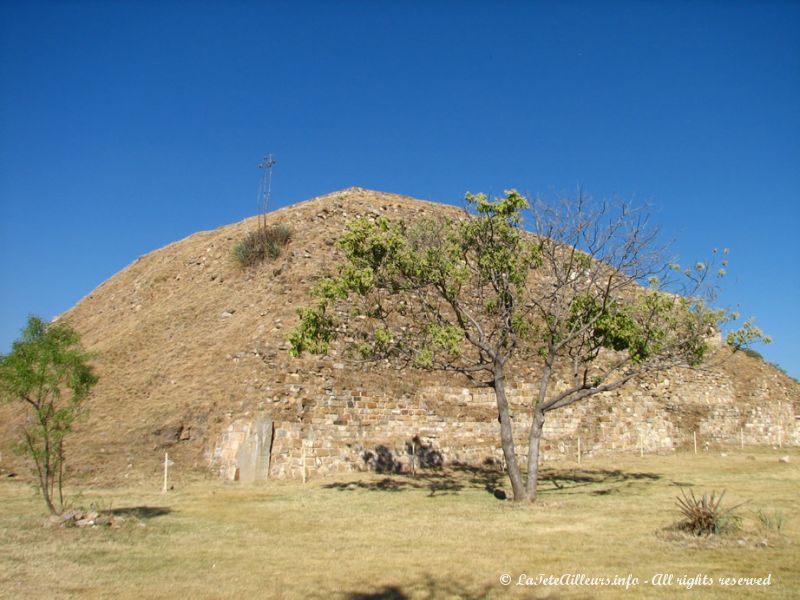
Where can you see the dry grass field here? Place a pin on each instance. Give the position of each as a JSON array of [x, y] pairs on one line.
[[440, 535]]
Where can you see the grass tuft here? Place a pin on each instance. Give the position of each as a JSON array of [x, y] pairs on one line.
[[261, 245], [773, 521]]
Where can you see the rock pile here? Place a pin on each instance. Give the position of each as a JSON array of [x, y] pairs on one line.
[[79, 518]]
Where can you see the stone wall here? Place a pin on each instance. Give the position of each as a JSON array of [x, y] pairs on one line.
[[334, 427]]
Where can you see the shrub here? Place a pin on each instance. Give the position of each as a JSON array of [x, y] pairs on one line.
[[704, 516], [261, 244]]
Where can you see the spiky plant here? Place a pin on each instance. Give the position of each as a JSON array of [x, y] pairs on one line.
[[705, 515]]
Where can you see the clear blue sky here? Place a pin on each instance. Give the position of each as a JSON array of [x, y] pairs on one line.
[[125, 126]]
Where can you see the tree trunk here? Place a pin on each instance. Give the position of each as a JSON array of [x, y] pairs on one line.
[[41, 471], [61, 475], [45, 480], [537, 426], [506, 436], [50, 506], [44, 487]]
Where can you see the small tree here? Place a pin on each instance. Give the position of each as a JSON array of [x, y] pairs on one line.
[[49, 372], [466, 295]]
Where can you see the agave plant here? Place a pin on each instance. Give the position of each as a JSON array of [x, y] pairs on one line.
[[704, 515]]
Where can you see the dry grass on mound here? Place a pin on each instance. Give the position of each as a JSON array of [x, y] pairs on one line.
[[443, 535]]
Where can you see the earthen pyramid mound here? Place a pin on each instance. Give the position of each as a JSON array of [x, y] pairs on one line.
[[191, 353]]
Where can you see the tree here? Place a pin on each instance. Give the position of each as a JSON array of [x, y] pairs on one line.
[[48, 372], [468, 294]]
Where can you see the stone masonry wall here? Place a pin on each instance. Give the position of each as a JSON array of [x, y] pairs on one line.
[[336, 427]]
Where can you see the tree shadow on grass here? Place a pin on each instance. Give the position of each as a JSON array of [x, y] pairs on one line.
[[429, 588], [390, 592], [457, 477], [451, 480], [436, 483], [438, 593], [487, 476], [567, 480], [138, 512]]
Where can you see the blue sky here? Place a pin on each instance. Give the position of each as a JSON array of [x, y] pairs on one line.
[[125, 126]]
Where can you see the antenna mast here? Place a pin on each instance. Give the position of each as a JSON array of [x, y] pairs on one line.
[[265, 189]]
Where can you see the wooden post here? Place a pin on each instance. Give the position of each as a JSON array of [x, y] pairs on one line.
[[166, 472], [741, 438], [579, 450], [641, 445], [694, 437], [780, 437]]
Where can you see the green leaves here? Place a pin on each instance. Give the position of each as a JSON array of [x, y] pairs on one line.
[[46, 361], [436, 292], [315, 332], [508, 208], [746, 335], [445, 337], [610, 324], [501, 251]]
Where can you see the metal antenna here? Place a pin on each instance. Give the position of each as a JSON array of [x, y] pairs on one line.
[[266, 188]]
